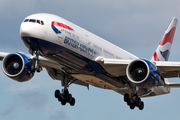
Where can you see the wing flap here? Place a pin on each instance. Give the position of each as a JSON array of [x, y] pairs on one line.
[[49, 64], [56, 74], [55, 71], [168, 69], [115, 67], [172, 84]]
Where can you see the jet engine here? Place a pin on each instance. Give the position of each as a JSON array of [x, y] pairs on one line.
[[143, 73], [17, 66]]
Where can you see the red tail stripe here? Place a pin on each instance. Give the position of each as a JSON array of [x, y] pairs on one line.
[[156, 57], [168, 37]]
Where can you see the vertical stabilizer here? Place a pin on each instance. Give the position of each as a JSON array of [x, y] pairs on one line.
[[163, 50]]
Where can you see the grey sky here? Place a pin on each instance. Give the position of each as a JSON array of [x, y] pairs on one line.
[[136, 26]]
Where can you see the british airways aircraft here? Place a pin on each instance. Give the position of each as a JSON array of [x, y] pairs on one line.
[[75, 56]]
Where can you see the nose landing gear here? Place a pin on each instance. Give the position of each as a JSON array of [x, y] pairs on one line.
[[36, 67]]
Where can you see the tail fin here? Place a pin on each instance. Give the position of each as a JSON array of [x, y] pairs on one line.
[[163, 50]]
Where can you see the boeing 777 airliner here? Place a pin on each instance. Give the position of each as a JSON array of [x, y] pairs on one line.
[[74, 55]]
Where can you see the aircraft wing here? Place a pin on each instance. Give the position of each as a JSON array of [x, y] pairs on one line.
[[172, 84], [117, 67], [53, 68], [168, 69], [2, 55]]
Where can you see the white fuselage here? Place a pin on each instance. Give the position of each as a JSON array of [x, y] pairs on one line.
[[75, 48]]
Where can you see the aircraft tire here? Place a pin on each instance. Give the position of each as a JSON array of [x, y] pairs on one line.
[[141, 107], [69, 98], [126, 97], [72, 103], [59, 98], [129, 103], [132, 106], [57, 94], [63, 102]]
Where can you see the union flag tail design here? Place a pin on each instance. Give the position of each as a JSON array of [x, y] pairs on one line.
[[163, 50]]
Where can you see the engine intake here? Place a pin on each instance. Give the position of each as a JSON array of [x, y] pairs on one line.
[[17, 66], [143, 73]]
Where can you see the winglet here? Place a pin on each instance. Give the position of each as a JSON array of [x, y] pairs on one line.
[[163, 50]]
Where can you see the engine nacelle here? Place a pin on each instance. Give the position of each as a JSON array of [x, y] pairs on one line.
[[143, 73], [17, 66]]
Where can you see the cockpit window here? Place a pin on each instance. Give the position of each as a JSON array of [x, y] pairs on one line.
[[34, 21], [42, 23], [38, 21], [26, 20]]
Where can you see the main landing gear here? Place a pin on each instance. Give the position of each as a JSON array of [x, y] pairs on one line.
[[64, 97], [133, 101]]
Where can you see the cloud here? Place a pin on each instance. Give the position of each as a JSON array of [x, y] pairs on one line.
[[40, 81], [59, 115], [8, 111], [19, 87], [32, 100], [135, 26], [28, 100]]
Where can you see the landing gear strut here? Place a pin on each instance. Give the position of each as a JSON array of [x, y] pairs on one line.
[[36, 67], [64, 96], [133, 101]]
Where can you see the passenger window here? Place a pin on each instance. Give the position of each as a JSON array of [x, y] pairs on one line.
[[26, 20], [32, 20]]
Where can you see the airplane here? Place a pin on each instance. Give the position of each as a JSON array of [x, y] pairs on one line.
[[73, 55]]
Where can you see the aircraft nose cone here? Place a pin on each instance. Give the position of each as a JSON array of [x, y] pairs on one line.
[[26, 30]]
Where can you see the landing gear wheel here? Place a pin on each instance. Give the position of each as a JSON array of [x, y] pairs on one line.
[[141, 107], [69, 98], [72, 103], [63, 102], [126, 97], [132, 106], [128, 103], [57, 94], [133, 101], [60, 99], [139, 102], [64, 97]]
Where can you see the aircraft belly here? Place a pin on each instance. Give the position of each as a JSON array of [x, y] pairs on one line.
[[94, 81], [76, 63]]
